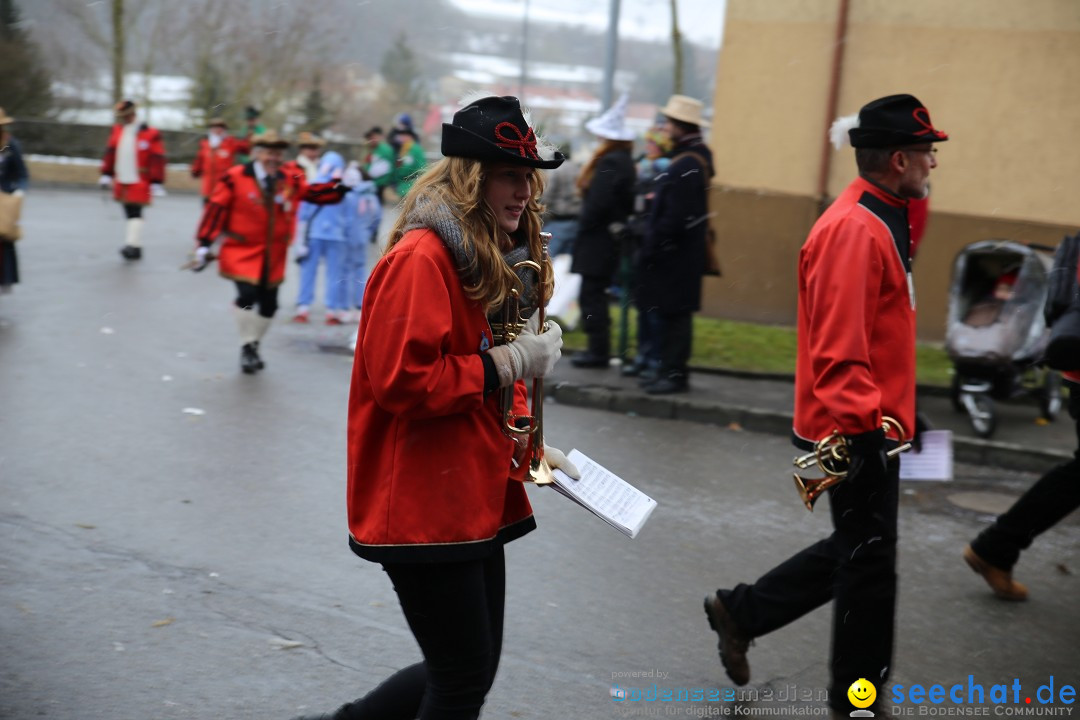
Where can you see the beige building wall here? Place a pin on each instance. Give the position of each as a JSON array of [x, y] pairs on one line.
[[997, 75]]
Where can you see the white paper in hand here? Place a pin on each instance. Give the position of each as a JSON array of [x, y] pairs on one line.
[[605, 494]]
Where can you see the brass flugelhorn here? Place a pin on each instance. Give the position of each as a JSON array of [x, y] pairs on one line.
[[526, 429], [833, 456]]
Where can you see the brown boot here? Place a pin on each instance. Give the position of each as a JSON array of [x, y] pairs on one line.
[[1000, 581], [733, 644]]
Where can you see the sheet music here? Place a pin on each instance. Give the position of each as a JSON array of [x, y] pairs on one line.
[[605, 494], [933, 462]]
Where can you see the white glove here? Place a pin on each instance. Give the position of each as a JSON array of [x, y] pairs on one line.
[[530, 355], [300, 251], [105, 181], [556, 459], [157, 190], [202, 258], [18, 193]]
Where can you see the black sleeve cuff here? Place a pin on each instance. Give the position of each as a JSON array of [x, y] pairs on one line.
[[491, 375], [867, 443]]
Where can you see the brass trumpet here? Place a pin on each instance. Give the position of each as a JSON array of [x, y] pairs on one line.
[[526, 429], [832, 455]]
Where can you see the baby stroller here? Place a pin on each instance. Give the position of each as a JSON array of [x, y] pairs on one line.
[[996, 332]]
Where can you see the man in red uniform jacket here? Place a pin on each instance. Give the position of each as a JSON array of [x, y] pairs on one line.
[[855, 365], [254, 206], [218, 152], [134, 165]]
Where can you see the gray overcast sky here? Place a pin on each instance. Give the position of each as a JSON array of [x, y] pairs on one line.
[[700, 20]]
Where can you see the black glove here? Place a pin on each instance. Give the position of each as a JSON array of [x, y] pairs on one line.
[[867, 453], [1074, 399], [922, 424], [342, 189]]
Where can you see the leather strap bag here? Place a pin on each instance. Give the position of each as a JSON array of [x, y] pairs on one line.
[[10, 211]]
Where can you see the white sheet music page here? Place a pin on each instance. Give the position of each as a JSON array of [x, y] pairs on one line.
[[607, 495], [933, 462]]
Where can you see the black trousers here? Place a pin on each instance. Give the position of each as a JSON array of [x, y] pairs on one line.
[[595, 313], [671, 336], [261, 296], [455, 611], [855, 567], [1047, 502]]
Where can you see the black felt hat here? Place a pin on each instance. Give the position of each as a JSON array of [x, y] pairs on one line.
[[494, 129], [894, 121]]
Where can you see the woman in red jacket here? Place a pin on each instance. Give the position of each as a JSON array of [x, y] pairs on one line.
[[435, 487]]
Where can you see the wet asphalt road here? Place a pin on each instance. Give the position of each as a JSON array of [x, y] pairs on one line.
[[173, 540]]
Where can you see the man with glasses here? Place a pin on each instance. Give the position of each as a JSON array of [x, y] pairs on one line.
[[855, 365]]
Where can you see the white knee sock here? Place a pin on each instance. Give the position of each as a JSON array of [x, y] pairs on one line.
[[247, 325], [134, 232]]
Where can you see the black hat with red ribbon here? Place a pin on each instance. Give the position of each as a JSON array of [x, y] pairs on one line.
[[894, 121], [494, 129]]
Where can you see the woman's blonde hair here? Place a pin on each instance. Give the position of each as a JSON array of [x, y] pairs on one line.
[[458, 184], [607, 146]]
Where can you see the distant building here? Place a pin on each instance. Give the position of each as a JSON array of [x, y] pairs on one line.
[[997, 75]]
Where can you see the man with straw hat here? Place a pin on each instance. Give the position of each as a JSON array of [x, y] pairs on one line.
[[673, 251], [254, 206], [218, 152], [134, 166]]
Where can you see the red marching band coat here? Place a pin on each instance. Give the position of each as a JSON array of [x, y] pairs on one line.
[[211, 163], [149, 160], [258, 228]]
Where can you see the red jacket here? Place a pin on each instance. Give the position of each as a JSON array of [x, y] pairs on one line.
[[856, 318], [149, 160], [211, 163], [429, 467], [254, 236]]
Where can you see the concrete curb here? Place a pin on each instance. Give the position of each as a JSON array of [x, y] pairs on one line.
[[967, 450]]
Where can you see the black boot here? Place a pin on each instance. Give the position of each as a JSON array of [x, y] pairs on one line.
[[131, 252], [249, 359], [260, 364]]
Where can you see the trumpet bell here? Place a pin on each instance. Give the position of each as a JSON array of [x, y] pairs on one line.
[[810, 489], [540, 473]]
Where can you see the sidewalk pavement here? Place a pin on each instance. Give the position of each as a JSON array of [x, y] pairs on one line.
[[763, 403]]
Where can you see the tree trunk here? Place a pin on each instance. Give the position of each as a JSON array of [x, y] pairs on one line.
[[676, 47], [118, 50]]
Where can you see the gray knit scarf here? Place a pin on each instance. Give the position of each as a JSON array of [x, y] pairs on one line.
[[439, 218]]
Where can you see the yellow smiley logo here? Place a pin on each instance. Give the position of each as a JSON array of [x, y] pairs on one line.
[[862, 693]]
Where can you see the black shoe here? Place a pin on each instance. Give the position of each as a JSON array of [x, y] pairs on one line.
[[667, 386], [590, 360], [250, 362], [647, 377], [131, 252], [733, 644], [258, 357]]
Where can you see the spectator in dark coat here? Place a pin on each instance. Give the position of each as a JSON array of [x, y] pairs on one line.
[[673, 252], [13, 180], [607, 187]]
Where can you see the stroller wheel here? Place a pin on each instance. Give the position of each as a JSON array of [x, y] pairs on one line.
[[981, 411], [954, 393], [1050, 398]]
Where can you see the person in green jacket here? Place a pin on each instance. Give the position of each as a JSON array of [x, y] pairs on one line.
[[378, 161], [410, 154]]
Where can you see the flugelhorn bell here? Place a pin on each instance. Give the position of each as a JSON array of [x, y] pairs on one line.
[[832, 455]]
